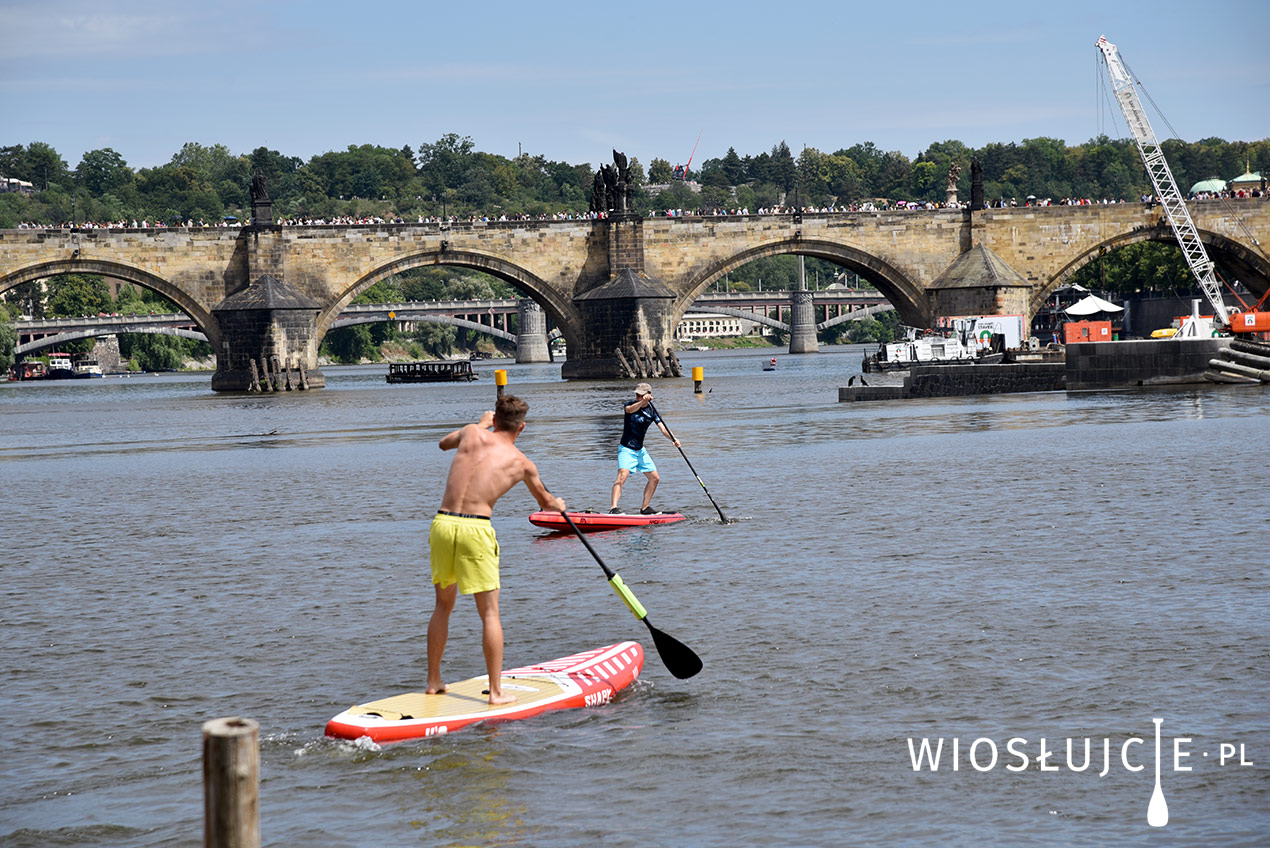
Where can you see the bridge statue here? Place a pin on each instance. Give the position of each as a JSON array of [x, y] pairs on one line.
[[259, 191], [261, 205], [954, 171], [613, 189]]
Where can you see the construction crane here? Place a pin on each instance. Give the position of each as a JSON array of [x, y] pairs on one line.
[[681, 171], [1175, 210]]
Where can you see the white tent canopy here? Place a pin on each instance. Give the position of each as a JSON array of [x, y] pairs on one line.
[[1092, 305]]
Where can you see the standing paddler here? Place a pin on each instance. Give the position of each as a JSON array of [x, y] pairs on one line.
[[631, 453], [464, 551]]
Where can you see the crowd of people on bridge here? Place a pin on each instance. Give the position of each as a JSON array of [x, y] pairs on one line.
[[875, 205]]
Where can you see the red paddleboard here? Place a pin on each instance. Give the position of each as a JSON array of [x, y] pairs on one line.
[[581, 680], [590, 522]]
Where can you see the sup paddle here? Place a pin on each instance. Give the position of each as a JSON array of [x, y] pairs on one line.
[[722, 518], [678, 657]]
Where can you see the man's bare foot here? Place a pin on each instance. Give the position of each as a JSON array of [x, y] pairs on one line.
[[439, 689], [501, 698]]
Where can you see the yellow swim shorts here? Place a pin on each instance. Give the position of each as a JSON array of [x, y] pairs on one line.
[[464, 551]]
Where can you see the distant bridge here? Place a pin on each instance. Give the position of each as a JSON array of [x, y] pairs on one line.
[[482, 316]]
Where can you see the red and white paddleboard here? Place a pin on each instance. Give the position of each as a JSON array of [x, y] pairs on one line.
[[589, 522], [587, 679]]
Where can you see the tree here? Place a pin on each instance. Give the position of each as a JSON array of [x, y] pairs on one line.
[[75, 295], [659, 171], [26, 299], [153, 351], [103, 171], [443, 165], [733, 167], [8, 340], [350, 345], [44, 167], [783, 171]]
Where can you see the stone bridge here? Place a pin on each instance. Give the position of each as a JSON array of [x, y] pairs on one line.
[[616, 283]]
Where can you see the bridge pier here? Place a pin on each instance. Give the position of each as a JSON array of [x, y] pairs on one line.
[[802, 324], [531, 336], [632, 312], [265, 320]]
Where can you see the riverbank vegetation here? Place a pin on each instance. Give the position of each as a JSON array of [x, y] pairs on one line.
[[449, 178]]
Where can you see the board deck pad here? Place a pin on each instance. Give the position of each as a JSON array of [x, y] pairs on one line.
[[590, 522], [587, 679]]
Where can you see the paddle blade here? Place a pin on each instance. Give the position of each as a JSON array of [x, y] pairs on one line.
[[678, 657]]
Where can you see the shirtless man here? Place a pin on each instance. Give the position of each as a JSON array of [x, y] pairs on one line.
[[464, 550]]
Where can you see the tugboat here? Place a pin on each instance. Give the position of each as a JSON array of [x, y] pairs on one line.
[[919, 347], [60, 367], [86, 367]]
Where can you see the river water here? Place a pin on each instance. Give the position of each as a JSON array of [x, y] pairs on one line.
[[1051, 569]]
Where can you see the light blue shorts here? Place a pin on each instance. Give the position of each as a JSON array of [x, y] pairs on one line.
[[635, 460]]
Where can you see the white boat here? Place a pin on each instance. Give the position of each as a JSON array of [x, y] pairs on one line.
[[60, 367], [87, 367], [920, 347]]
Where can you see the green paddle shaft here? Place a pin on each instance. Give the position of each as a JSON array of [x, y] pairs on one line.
[[628, 597], [681, 660]]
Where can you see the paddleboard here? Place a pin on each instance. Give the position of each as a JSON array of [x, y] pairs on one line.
[[590, 522], [587, 679]]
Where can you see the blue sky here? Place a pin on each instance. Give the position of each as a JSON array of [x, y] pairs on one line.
[[571, 81]]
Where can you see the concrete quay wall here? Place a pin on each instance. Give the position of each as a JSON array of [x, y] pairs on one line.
[[1106, 365], [961, 380]]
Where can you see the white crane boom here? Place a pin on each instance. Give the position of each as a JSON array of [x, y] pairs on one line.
[[1162, 179]]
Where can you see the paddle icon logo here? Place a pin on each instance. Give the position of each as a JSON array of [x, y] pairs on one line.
[[1018, 754]]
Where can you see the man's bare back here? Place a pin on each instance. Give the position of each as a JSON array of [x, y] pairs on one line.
[[487, 465]]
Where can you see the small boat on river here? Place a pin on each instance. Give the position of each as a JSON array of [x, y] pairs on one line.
[[458, 371], [60, 367], [87, 367]]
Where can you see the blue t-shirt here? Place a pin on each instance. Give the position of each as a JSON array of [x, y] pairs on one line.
[[635, 425]]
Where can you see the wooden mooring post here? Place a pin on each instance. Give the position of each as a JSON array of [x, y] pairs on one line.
[[231, 783], [500, 382]]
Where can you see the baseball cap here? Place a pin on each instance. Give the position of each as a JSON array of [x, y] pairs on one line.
[[643, 389]]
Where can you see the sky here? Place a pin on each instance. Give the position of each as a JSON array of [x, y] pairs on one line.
[[572, 81]]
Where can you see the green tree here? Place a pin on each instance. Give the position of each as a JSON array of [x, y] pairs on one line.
[[8, 339], [445, 163], [75, 295], [153, 351], [44, 167], [733, 167], [659, 171], [783, 171], [104, 171], [437, 339], [26, 299], [1142, 267]]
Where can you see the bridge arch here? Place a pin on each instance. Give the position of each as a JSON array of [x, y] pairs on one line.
[[1250, 267], [759, 318], [561, 311], [462, 323], [894, 285], [125, 273]]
